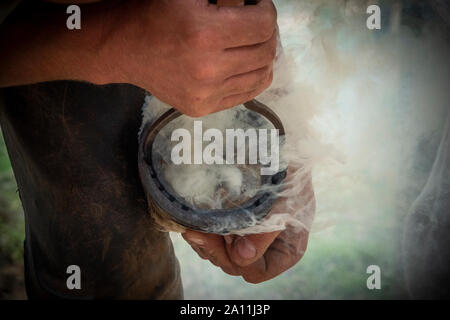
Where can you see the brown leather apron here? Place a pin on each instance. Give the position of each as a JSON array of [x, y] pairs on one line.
[[73, 148]]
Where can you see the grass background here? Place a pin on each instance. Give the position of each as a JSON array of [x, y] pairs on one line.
[[12, 232]]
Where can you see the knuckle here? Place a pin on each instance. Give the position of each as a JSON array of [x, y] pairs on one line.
[[261, 80], [267, 73], [269, 54], [265, 81], [249, 96], [273, 50], [265, 33], [268, 23], [269, 80], [274, 13]]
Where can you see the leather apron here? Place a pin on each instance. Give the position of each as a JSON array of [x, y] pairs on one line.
[[73, 148]]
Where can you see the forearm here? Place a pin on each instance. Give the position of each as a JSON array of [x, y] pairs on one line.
[[40, 48], [179, 50]]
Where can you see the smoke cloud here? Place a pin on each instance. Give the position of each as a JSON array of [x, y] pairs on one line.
[[364, 111]]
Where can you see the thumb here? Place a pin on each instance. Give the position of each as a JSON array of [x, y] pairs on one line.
[[244, 251]]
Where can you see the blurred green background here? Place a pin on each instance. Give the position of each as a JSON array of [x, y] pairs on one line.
[[12, 232]]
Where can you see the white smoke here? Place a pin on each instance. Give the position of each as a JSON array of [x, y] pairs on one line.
[[356, 104]]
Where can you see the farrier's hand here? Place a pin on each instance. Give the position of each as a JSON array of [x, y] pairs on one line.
[[258, 257], [198, 57], [193, 55]]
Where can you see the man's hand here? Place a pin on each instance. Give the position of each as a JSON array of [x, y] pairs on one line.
[[195, 56], [256, 258], [198, 57], [260, 257]]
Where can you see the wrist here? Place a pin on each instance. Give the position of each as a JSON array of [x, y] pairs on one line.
[[41, 48]]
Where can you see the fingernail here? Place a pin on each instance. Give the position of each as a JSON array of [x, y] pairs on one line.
[[196, 241], [228, 238], [245, 248]]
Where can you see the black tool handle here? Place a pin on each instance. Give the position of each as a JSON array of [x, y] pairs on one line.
[[233, 3]]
